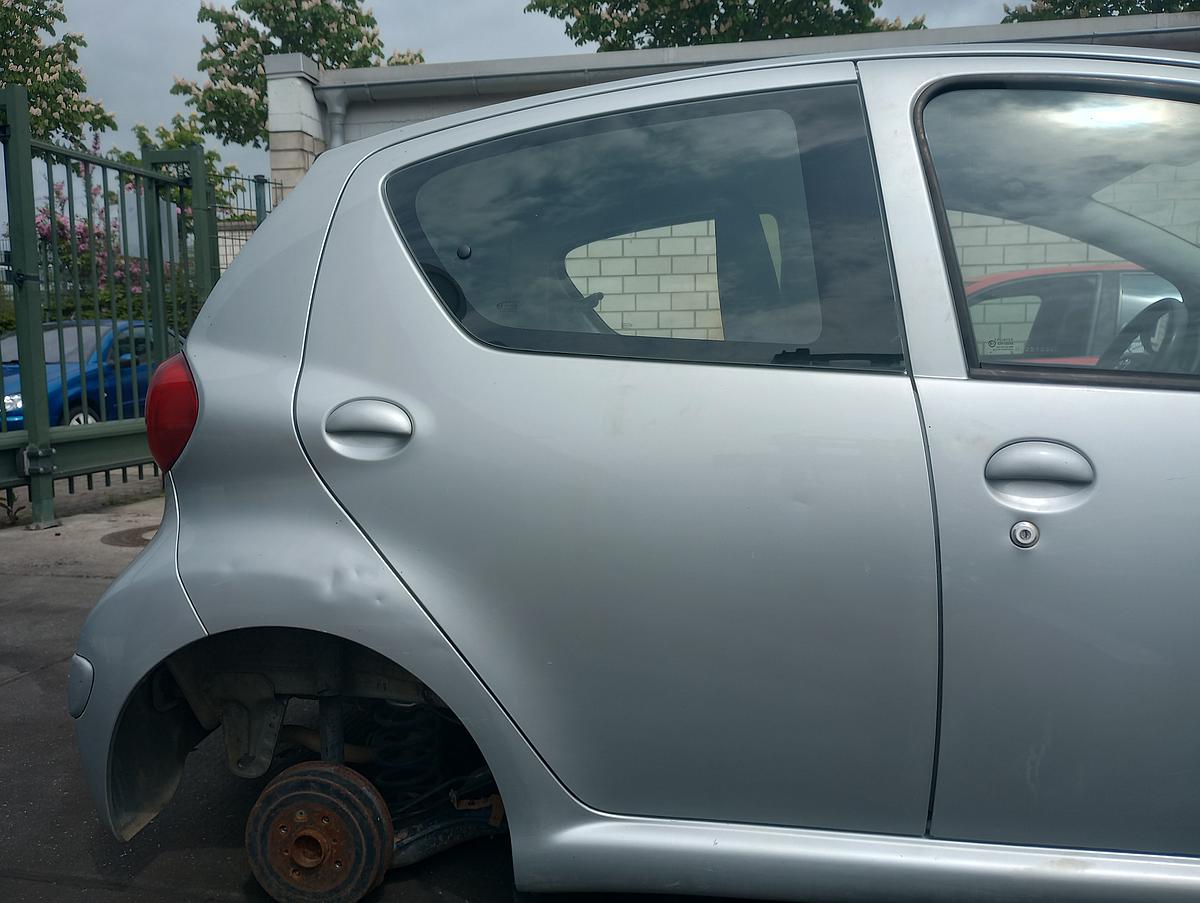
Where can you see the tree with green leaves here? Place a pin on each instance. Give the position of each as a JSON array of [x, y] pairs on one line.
[[32, 54], [1084, 9], [632, 24], [232, 102], [183, 132]]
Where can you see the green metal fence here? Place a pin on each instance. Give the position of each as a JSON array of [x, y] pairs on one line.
[[107, 266], [241, 204]]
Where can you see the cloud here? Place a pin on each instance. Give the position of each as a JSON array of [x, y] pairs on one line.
[[471, 29], [947, 13]]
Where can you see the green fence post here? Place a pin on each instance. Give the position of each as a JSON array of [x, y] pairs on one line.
[[27, 298], [214, 236], [204, 218], [260, 199], [154, 260]]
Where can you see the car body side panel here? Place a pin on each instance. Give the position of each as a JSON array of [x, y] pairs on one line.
[[649, 638], [300, 562], [264, 544], [1071, 669]]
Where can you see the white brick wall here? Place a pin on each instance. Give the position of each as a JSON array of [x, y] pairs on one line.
[[657, 282], [1168, 196], [987, 244]]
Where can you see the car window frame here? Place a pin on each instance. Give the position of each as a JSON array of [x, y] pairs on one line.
[[112, 355], [902, 368], [1034, 373], [135, 332]]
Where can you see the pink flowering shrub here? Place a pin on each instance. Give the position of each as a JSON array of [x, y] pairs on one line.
[[82, 247]]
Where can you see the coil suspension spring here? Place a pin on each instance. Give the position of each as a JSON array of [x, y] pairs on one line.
[[406, 738]]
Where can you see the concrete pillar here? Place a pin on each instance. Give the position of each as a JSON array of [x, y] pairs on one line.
[[296, 133]]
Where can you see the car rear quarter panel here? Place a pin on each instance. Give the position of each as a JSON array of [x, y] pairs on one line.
[[263, 543], [141, 619]]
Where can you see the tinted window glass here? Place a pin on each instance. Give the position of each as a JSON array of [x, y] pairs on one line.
[[136, 342], [742, 230], [1075, 217], [663, 282], [1023, 318], [70, 340]]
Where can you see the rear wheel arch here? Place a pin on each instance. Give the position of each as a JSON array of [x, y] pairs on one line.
[[197, 689]]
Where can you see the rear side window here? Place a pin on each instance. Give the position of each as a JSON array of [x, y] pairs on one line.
[[741, 230], [1074, 219]]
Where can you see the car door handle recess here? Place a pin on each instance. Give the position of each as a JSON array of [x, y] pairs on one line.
[[368, 428], [1039, 461], [369, 415]]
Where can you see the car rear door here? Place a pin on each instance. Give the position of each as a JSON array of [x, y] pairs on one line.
[[624, 403], [1066, 487]]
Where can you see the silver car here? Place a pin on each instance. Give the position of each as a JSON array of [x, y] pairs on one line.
[[628, 470]]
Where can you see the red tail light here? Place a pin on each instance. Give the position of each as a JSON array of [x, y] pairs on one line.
[[171, 410]]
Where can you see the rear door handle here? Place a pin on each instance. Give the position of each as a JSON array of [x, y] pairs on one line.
[[368, 429], [369, 415], [1039, 461]]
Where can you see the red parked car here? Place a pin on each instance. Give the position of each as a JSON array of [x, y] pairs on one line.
[[1068, 315]]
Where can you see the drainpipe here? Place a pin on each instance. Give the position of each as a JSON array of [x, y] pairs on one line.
[[335, 111]]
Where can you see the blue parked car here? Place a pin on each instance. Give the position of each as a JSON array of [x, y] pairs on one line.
[[89, 393]]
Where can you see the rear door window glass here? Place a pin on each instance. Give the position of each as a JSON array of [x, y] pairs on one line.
[[738, 230], [1074, 218]]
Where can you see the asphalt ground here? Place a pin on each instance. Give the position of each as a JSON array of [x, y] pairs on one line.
[[52, 846]]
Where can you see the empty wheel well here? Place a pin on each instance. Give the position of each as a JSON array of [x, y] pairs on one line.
[[242, 681], [283, 693]]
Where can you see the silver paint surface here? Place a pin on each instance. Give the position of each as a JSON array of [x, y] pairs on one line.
[[1069, 670], [665, 572], [1057, 636], [139, 621]]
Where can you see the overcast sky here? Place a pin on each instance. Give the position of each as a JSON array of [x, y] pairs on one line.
[[136, 47]]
